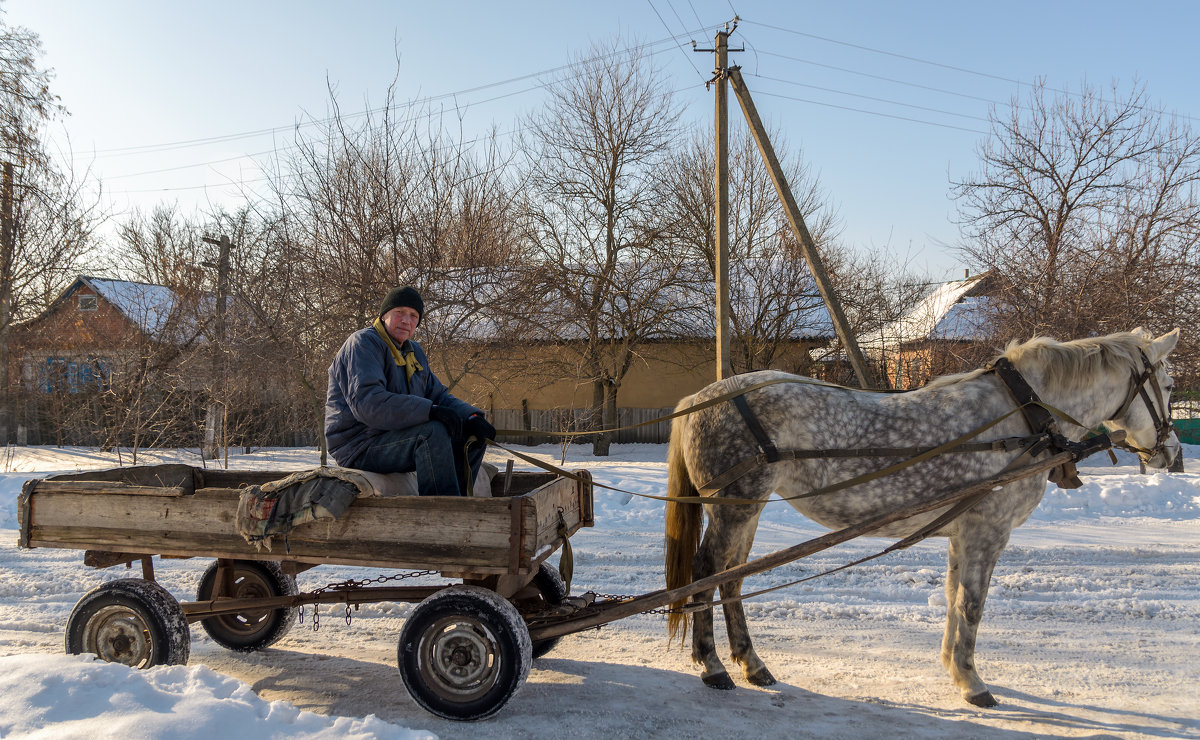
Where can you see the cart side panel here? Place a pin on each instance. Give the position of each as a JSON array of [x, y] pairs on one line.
[[573, 499], [416, 532]]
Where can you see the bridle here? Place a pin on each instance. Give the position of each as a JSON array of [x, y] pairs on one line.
[[1162, 425]]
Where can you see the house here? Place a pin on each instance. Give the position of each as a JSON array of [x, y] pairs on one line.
[[94, 323], [944, 333]]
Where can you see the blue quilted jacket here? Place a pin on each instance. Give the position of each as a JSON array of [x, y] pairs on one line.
[[369, 395]]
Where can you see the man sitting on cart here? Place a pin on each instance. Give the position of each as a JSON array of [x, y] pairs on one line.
[[386, 412]]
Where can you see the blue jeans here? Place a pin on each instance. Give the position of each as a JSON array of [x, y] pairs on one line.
[[428, 450]]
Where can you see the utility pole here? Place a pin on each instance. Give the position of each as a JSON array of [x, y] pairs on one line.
[[214, 418], [800, 230], [721, 185]]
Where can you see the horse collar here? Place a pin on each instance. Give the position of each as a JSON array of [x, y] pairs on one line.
[[1039, 419], [1036, 416]]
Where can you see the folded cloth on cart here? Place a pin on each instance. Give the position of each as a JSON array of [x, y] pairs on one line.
[[323, 493]]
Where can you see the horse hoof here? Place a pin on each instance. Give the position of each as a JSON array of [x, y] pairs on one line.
[[720, 681], [761, 677], [983, 699]]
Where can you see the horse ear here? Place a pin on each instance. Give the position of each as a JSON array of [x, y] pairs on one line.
[[1163, 346], [1142, 332]]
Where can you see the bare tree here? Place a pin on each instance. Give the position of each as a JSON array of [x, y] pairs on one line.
[[1086, 207], [46, 222], [592, 152], [772, 295]]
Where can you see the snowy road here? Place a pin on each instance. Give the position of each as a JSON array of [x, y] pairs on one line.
[[1091, 629]]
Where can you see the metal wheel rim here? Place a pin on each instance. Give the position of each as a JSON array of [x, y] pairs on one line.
[[459, 658], [119, 634], [248, 584]]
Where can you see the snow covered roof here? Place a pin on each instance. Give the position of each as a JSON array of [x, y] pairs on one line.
[[148, 306], [157, 310], [949, 311]]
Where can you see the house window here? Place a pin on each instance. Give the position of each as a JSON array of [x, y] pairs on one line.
[[88, 302], [72, 375]]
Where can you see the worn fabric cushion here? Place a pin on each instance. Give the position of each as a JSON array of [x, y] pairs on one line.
[[323, 494]]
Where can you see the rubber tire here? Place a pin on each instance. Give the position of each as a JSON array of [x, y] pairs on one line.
[[131, 621], [551, 592], [248, 632], [477, 626]]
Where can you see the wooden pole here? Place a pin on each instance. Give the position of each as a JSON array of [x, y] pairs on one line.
[[214, 428], [721, 176], [800, 230]]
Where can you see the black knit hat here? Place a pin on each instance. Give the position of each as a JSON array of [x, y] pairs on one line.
[[406, 296]]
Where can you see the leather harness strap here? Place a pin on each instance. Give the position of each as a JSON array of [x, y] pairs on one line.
[[1040, 420], [765, 445]]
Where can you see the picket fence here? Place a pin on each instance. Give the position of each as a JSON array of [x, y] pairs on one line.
[[522, 426]]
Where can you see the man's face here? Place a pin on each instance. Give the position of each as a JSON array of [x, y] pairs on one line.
[[400, 323]]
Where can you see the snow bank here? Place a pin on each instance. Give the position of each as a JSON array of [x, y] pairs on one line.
[[75, 696]]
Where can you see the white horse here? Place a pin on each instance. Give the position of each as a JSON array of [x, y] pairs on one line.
[[1120, 380]]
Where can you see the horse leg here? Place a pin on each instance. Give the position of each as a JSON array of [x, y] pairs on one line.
[[704, 648], [741, 649], [975, 566], [948, 636]]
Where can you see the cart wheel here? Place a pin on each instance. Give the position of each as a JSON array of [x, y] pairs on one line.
[[545, 591], [464, 652], [253, 629], [131, 621]]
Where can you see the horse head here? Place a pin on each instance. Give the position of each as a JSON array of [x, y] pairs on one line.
[[1145, 412]]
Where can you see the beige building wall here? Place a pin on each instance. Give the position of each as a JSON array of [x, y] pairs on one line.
[[663, 373]]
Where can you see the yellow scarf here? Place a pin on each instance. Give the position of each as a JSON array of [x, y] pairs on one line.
[[406, 360]]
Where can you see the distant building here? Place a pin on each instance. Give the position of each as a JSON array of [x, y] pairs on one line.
[[94, 325], [941, 334]]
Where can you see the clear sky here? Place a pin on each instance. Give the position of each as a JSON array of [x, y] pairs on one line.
[[173, 101]]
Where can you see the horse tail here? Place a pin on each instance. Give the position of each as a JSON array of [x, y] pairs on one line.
[[683, 520]]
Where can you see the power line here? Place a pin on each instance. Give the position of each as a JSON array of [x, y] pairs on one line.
[[870, 97], [888, 53], [661, 20], [951, 67], [223, 138], [881, 77], [871, 112]]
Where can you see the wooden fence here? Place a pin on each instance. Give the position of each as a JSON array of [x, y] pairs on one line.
[[569, 420]]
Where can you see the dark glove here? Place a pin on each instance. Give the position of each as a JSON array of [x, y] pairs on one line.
[[449, 419], [478, 426]]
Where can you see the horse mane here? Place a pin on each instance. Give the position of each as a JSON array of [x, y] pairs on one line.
[[1063, 363]]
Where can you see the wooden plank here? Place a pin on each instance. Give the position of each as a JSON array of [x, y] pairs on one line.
[[102, 487], [387, 554], [484, 524], [516, 532], [107, 559]]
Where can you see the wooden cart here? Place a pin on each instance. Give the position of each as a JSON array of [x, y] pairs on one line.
[[464, 650]]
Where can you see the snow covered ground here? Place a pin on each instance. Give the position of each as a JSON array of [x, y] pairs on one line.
[[1092, 629]]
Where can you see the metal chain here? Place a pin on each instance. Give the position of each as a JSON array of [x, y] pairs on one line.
[[630, 597], [350, 584]]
